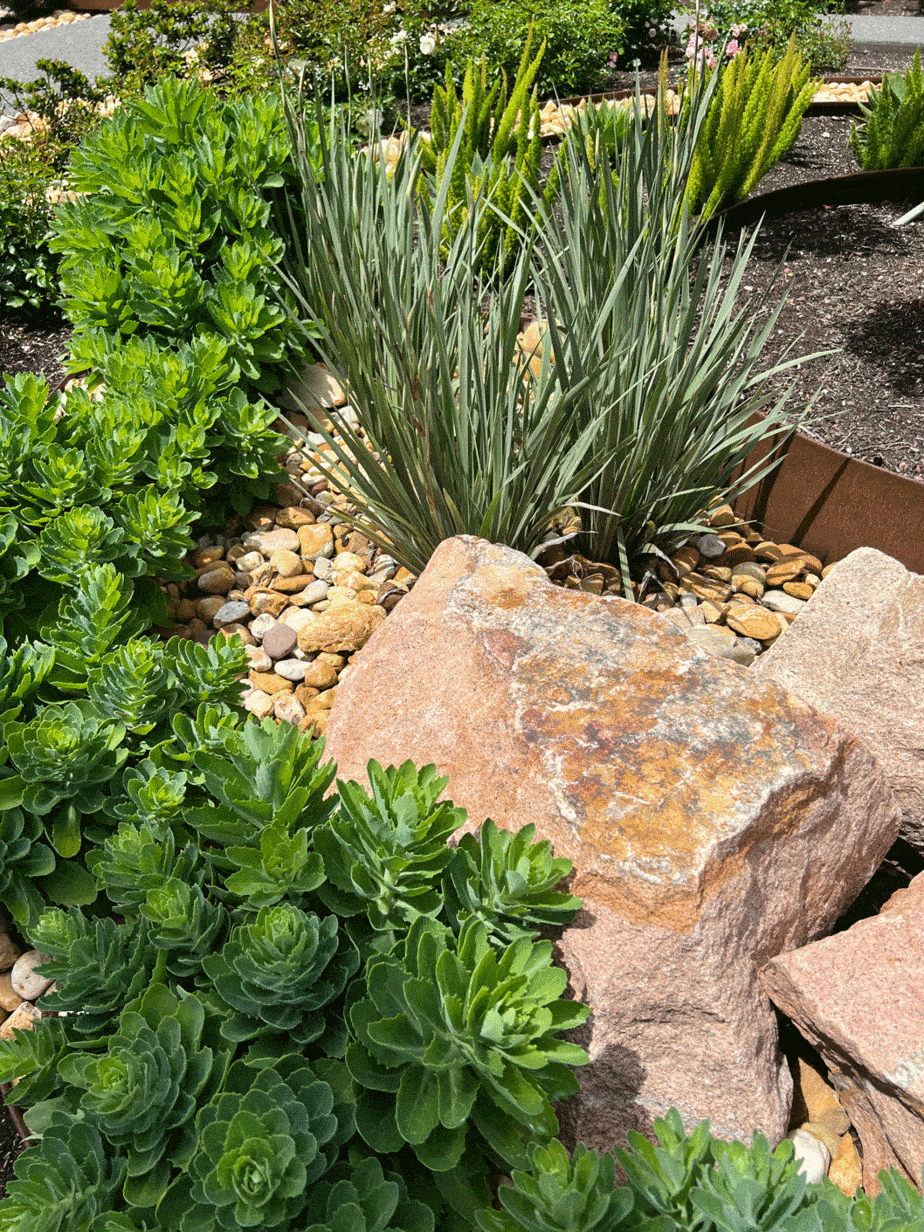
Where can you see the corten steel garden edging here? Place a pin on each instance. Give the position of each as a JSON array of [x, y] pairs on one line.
[[818, 498]]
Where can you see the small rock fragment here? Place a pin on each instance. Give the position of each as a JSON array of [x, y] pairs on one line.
[[26, 981]]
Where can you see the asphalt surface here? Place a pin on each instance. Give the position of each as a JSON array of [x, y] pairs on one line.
[[80, 44]]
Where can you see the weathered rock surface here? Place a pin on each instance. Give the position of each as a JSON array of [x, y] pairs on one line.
[[714, 820], [858, 996], [857, 652]]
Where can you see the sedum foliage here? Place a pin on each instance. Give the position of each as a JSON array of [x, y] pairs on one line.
[[892, 134], [203, 1033], [453, 1035]]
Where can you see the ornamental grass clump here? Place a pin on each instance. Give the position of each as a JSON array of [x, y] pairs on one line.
[[752, 120], [892, 134], [498, 160], [452, 440], [639, 402], [671, 412]]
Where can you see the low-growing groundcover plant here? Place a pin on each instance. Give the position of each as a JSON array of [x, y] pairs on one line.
[[227, 1058], [292, 1072]]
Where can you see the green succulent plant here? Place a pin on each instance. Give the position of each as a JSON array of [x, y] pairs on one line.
[[561, 1193], [452, 1035], [136, 859], [508, 882], [280, 972], [68, 1182], [31, 1059], [66, 757], [261, 1143], [98, 965], [364, 1199], [23, 856], [263, 773], [21, 673], [152, 795], [172, 235], [90, 620], [281, 866], [184, 924], [142, 1093], [18, 554], [384, 854]]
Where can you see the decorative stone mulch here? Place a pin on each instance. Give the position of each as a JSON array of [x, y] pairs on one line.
[[61, 17]]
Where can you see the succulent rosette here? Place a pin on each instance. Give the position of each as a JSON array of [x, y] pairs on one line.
[[143, 1091], [279, 972], [260, 1145], [451, 1034], [67, 1183], [364, 1199]]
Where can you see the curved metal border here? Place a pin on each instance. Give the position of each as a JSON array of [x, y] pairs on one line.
[[819, 498]]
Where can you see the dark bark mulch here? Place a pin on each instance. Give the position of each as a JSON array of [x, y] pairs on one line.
[[853, 282]]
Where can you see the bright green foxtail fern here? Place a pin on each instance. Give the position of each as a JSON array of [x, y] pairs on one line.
[[893, 135], [494, 129], [753, 119]]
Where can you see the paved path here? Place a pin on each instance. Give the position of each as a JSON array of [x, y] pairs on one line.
[[79, 44], [885, 34]]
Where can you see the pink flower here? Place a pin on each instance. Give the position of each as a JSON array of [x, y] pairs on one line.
[[711, 61], [732, 49]]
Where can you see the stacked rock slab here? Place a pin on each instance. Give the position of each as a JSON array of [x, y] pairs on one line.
[[859, 998], [713, 819], [857, 651]]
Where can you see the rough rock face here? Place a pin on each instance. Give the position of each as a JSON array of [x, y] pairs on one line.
[[859, 998], [713, 819], [857, 652]]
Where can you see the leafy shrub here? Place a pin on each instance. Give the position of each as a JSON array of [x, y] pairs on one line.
[[753, 119], [770, 24], [63, 104], [174, 237], [893, 132], [211, 40], [28, 270], [580, 40]]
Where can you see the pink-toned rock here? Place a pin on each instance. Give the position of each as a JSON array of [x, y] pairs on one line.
[[858, 996], [857, 652], [714, 820]]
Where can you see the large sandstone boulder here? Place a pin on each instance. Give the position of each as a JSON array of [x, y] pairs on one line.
[[714, 820], [859, 998], [857, 652]]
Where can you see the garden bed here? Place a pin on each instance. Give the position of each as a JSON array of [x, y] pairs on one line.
[[854, 283]]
